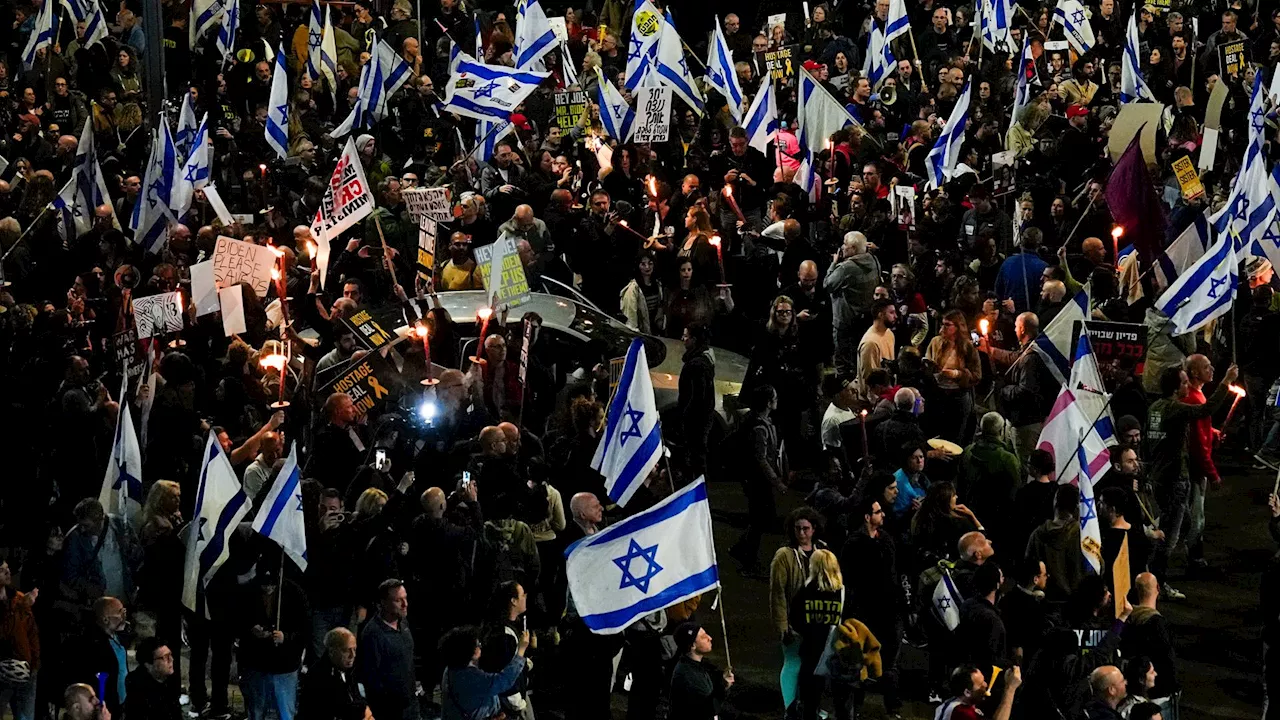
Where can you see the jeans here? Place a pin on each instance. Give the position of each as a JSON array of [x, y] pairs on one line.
[[21, 699], [1173, 511], [264, 690], [206, 636], [1195, 532]]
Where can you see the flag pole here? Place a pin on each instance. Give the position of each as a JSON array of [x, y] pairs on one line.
[[280, 588], [724, 629], [924, 87]]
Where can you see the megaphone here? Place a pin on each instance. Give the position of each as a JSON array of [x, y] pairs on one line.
[[889, 94]]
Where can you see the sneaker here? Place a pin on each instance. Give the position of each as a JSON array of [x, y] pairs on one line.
[[1170, 592], [1265, 461], [934, 697]]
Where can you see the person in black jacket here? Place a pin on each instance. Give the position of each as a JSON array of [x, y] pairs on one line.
[[980, 637], [697, 399], [274, 628], [329, 689], [1147, 633], [697, 686], [101, 650], [149, 695], [869, 560], [1023, 609]]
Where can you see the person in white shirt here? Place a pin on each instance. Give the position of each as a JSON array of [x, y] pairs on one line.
[[839, 411], [262, 470]]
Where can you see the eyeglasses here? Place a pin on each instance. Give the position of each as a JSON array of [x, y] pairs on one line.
[[783, 311], [804, 528]]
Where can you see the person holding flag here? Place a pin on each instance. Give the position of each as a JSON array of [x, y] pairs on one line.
[[631, 443], [942, 159], [122, 487]]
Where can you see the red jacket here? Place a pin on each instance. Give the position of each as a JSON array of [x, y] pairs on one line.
[[1200, 443]]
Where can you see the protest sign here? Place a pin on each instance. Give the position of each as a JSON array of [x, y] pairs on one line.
[[347, 200], [1119, 348], [368, 331], [155, 314], [782, 62], [1188, 179], [773, 21], [231, 301], [128, 353], [1121, 576], [236, 261], [204, 289], [653, 114], [368, 383], [426, 247], [430, 202], [570, 105], [513, 286], [1231, 58]]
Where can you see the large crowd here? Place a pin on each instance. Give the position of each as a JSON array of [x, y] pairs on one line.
[[896, 392]]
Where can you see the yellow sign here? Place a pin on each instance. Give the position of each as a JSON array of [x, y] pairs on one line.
[[648, 22], [1188, 179]]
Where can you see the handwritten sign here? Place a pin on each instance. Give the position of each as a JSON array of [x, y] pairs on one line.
[[571, 105], [1188, 179], [782, 62], [513, 286], [427, 231], [653, 114], [1231, 58], [428, 202], [236, 261], [128, 353], [155, 314], [368, 330]]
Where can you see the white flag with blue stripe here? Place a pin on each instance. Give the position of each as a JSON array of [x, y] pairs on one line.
[[1091, 394], [946, 601], [617, 117], [151, 214], [1075, 21], [1090, 530], [941, 162], [1240, 215], [642, 47], [1077, 412], [721, 75], [204, 15], [818, 115], [281, 516], [220, 506], [1025, 73], [195, 171], [43, 33], [227, 31], [1054, 341], [761, 122], [1132, 85], [187, 127], [122, 487], [329, 55], [996, 19], [381, 77], [648, 562], [673, 68], [489, 92], [85, 192], [632, 441], [315, 40], [1182, 253], [277, 129], [487, 136], [1205, 291], [534, 36], [880, 62], [90, 13], [896, 20]]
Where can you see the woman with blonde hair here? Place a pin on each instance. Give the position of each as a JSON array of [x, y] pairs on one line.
[[818, 608], [957, 370], [698, 248], [163, 554]]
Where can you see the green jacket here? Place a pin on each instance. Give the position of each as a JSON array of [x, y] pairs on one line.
[[988, 478], [1168, 424]]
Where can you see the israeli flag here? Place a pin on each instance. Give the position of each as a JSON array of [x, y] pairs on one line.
[[380, 78], [1132, 85], [818, 115], [227, 32], [642, 48], [1091, 394], [88, 12], [220, 506], [151, 214], [487, 136], [632, 441], [1026, 72], [1090, 531], [880, 62], [186, 127], [195, 171], [1264, 235], [315, 39], [1054, 341], [277, 130], [946, 601], [617, 117], [761, 123], [1075, 21], [204, 14], [43, 34], [896, 21], [997, 19], [122, 487], [489, 92], [329, 55], [566, 65], [673, 69], [281, 517], [80, 198], [721, 75], [1205, 291], [1182, 253], [534, 36], [941, 163], [648, 562]]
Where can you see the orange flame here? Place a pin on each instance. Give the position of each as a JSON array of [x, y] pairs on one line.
[[275, 273], [273, 362], [1239, 391], [420, 330], [728, 190], [1117, 232], [484, 313], [984, 325], [715, 240], [653, 187]]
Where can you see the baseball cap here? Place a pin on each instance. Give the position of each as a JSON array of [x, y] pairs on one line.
[[1075, 110], [812, 65], [685, 635]]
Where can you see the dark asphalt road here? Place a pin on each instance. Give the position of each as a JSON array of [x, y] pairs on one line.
[[1216, 627]]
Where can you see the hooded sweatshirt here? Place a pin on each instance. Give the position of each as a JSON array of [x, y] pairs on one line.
[[852, 284]]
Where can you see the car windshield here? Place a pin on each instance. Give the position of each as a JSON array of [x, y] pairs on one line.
[[612, 337]]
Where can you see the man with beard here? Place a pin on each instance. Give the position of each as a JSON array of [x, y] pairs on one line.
[[459, 272]]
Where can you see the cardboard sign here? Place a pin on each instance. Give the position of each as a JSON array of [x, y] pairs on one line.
[[128, 353], [369, 383], [1188, 179], [430, 202], [1115, 343], [157, 314], [1231, 58], [1136, 117], [653, 114], [782, 62], [1120, 576], [236, 261], [571, 105], [426, 247], [513, 286], [368, 331]]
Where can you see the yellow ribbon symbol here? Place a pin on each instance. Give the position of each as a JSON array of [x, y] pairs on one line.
[[378, 390]]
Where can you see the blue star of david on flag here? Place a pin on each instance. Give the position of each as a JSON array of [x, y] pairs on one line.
[[1214, 284], [1077, 17], [648, 556], [487, 90], [634, 417], [633, 413], [1087, 511]]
